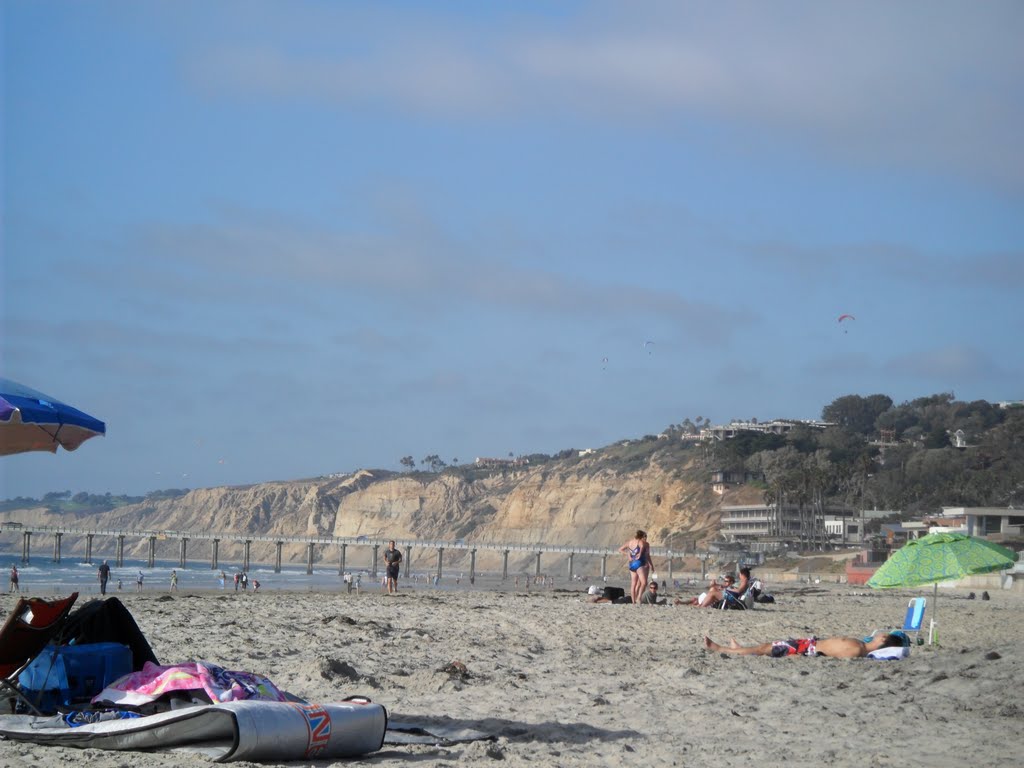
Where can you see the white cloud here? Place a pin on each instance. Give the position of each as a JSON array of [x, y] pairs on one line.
[[931, 86], [413, 264]]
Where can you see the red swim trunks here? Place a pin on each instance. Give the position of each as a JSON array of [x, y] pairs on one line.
[[802, 646]]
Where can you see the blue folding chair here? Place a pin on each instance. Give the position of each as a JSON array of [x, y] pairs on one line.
[[914, 619], [732, 601]]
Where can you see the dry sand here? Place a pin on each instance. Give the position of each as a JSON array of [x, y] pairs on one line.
[[562, 682]]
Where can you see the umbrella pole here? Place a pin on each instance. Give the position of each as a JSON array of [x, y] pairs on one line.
[[932, 635]]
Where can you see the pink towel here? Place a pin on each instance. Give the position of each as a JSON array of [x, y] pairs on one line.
[[153, 681]]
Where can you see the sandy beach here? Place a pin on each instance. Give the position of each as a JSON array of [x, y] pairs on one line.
[[559, 681]]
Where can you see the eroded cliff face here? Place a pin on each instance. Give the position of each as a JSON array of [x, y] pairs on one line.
[[583, 504]]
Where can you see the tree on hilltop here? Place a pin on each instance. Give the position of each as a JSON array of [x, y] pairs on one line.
[[435, 462], [855, 413]]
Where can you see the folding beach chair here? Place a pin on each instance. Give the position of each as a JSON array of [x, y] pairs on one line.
[[915, 616], [31, 626], [732, 601]]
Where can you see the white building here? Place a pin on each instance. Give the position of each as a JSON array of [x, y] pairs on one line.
[[1002, 522]]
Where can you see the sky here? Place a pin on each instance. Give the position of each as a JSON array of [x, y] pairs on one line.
[[275, 240]]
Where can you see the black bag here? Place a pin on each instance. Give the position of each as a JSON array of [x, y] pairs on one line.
[[613, 593]]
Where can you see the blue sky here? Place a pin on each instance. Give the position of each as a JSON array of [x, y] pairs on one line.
[[269, 240]]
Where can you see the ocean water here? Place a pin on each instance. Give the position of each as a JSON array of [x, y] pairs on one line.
[[44, 577]]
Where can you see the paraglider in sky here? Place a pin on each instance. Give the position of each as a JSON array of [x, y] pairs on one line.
[[604, 363], [647, 345], [845, 317]]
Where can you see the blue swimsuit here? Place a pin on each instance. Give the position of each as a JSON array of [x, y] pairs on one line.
[[635, 561]]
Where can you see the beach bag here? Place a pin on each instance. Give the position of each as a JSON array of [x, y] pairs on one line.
[[613, 593], [67, 675]]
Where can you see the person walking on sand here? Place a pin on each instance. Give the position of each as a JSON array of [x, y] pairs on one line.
[[638, 550], [14, 579], [238, 578], [103, 574], [174, 580], [393, 558], [138, 582], [834, 647]]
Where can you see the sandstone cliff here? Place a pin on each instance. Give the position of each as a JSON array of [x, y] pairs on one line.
[[597, 500]]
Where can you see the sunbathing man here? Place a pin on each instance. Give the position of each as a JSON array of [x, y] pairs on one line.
[[835, 647]]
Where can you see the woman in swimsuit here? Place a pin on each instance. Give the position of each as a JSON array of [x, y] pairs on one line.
[[639, 553]]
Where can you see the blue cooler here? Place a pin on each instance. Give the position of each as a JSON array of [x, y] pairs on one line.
[[70, 675]]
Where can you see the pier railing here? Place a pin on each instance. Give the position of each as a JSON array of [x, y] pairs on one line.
[[374, 543]]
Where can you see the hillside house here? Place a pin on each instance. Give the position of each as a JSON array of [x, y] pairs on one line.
[[721, 479], [773, 427]]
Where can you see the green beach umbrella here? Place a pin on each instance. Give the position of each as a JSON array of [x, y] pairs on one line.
[[940, 557]]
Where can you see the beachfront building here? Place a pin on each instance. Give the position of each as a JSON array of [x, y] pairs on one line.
[[774, 527], [946, 523], [898, 534], [844, 529], [996, 523]]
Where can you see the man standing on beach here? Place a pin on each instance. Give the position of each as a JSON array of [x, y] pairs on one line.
[[103, 573], [393, 558], [14, 579]]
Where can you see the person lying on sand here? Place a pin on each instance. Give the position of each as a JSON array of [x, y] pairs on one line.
[[835, 647], [650, 595]]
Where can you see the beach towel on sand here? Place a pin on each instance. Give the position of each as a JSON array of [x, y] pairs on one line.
[[890, 654], [219, 684]]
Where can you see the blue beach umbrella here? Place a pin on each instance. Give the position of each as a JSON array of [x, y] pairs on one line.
[[32, 421]]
